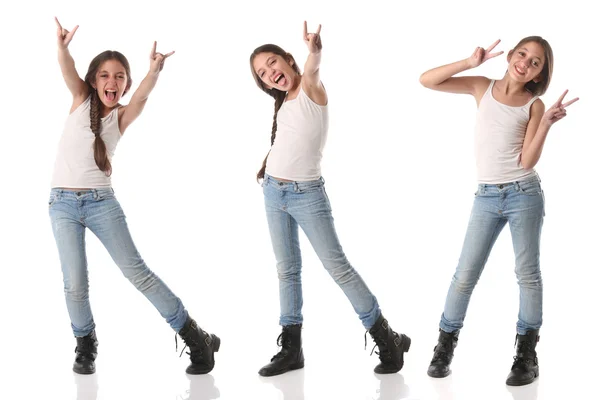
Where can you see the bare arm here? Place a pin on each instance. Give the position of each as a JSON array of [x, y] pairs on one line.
[[538, 128], [311, 79], [442, 78], [76, 85], [138, 101]]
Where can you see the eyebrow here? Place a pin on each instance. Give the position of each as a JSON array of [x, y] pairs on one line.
[[266, 62], [107, 72], [530, 52]]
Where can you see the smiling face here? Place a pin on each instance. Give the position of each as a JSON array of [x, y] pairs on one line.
[[111, 82], [526, 62], [109, 75], [275, 71]]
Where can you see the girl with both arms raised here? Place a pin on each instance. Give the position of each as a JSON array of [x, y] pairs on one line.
[[82, 197], [510, 132], [295, 197]]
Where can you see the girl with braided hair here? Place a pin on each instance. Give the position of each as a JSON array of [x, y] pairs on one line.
[[295, 197], [82, 197]]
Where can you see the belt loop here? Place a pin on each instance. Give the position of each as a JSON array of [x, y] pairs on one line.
[[95, 192], [322, 180], [296, 188]]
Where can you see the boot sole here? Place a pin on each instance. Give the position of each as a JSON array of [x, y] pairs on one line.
[[523, 383], [292, 367], [84, 372], [438, 375]]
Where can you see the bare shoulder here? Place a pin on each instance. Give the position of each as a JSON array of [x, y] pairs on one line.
[[479, 85], [315, 92], [78, 101], [537, 108]]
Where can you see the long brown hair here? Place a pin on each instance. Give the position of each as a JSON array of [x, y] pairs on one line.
[[100, 153], [543, 79], [278, 95]]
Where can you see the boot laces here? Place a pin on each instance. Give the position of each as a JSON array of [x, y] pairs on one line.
[[195, 355], [524, 356], [282, 341], [383, 353], [441, 352], [85, 346]]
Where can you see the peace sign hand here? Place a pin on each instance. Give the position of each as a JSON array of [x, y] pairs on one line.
[[157, 60], [313, 40], [480, 55], [558, 110], [63, 36]]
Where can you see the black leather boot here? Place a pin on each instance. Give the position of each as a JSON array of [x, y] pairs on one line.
[[86, 353], [525, 366], [443, 354], [202, 347], [391, 347], [290, 357]]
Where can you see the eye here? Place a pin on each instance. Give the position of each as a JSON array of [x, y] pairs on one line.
[[272, 61], [521, 53], [261, 74]]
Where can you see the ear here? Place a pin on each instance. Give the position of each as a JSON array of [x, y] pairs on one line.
[[290, 60], [537, 79]]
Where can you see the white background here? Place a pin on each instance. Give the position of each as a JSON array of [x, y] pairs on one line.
[[400, 174]]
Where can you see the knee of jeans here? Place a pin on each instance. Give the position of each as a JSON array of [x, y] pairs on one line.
[[340, 270], [135, 269], [529, 279], [464, 283], [76, 292], [288, 271]]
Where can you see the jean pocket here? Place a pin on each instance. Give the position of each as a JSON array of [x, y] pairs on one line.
[[309, 187], [530, 188], [105, 195], [51, 200]]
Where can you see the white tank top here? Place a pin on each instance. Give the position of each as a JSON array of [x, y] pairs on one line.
[[499, 135], [75, 166], [301, 135]]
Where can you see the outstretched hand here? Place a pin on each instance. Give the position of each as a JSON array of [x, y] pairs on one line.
[[558, 110], [157, 60], [63, 36], [313, 40], [480, 55]]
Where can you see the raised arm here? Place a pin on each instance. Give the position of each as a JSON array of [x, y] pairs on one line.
[[311, 79], [538, 128], [138, 101], [442, 78], [76, 85]]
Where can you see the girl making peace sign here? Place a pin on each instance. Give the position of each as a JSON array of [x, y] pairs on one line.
[[82, 197], [510, 131]]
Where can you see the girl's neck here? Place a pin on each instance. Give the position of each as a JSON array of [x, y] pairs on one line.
[[297, 80], [510, 87]]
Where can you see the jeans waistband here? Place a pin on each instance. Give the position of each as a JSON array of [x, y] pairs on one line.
[[83, 193], [297, 186]]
